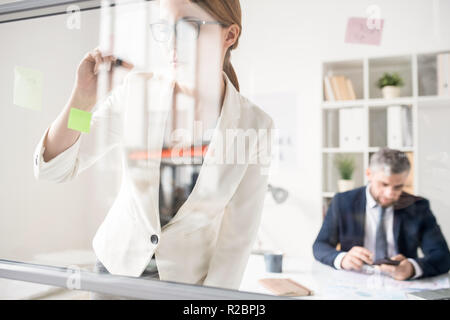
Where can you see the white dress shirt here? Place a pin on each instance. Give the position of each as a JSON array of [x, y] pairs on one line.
[[371, 220]]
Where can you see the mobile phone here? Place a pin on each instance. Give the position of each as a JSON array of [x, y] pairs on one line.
[[386, 261]]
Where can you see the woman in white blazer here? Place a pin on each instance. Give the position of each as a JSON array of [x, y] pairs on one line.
[[210, 238]]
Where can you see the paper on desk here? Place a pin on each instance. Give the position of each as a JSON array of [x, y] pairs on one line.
[[28, 88], [434, 283], [380, 286]]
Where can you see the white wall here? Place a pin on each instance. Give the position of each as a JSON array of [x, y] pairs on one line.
[[281, 49]]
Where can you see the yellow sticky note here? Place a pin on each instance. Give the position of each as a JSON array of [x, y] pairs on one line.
[[28, 88]]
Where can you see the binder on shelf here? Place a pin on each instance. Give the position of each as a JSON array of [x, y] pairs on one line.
[[407, 126], [443, 74], [399, 127], [351, 128], [394, 128], [332, 123], [345, 128], [358, 127]]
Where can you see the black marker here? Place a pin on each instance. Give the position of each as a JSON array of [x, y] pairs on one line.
[[121, 63]]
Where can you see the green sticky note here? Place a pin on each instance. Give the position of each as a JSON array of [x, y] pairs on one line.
[[28, 88], [79, 120]]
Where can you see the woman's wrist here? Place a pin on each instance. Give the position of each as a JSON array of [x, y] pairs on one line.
[[79, 100]]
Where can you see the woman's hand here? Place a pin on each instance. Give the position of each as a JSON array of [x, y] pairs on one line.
[[84, 97], [85, 88]]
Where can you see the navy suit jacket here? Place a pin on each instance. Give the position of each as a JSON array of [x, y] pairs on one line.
[[414, 226]]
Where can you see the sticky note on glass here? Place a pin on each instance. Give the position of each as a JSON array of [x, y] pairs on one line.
[[79, 120], [28, 88], [364, 31]]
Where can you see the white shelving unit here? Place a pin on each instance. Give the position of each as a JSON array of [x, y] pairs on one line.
[[418, 71]]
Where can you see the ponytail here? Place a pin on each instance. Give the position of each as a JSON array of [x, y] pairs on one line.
[[229, 70], [228, 12]]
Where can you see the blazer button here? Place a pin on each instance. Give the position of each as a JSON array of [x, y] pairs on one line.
[[154, 239]]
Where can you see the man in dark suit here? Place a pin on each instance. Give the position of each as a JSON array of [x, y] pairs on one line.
[[380, 221]]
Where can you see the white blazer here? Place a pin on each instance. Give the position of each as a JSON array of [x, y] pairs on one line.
[[209, 240]]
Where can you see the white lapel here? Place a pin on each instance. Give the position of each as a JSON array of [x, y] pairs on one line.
[[208, 190]]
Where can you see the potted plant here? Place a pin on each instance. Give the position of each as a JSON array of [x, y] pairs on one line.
[[390, 84], [346, 167]]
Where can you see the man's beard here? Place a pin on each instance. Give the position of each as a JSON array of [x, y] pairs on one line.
[[385, 206]]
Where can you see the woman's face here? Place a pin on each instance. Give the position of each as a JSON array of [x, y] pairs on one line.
[[195, 63], [196, 49]]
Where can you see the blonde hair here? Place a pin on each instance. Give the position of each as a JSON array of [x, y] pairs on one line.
[[227, 12]]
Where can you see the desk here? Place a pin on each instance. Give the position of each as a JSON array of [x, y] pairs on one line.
[[331, 284]]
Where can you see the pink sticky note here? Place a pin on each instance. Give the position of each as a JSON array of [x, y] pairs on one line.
[[364, 31]]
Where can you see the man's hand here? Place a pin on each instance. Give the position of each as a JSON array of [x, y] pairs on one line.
[[355, 258], [403, 271]]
